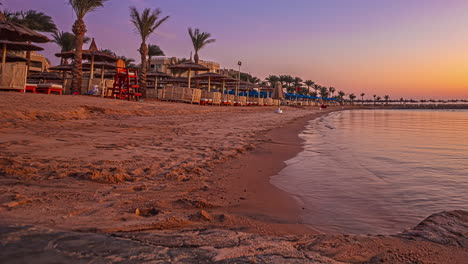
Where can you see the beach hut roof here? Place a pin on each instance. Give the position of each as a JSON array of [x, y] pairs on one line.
[[177, 80], [158, 74], [61, 68], [16, 32], [45, 75], [211, 75], [189, 65], [100, 64], [13, 58], [89, 53], [278, 91], [19, 46]]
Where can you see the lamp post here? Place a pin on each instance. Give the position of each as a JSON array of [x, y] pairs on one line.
[[238, 82]]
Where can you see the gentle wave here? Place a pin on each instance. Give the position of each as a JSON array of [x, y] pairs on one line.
[[379, 171]]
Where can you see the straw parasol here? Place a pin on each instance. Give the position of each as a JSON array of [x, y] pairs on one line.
[[157, 75], [14, 58], [103, 65], [17, 33], [189, 66], [278, 94], [45, 76], [61, 67], [211, 76], [92, 54]]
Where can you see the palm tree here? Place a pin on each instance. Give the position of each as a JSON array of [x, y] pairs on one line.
[[309, 84], [254, 80], [386, 99], [375, 96], [352, 97], [272, 79], [378, 98], [66, 40], [316, 87], [341, 95], [199, 40], [297, 83], [153, 50], [362, 98], [81, 8], [288, 79], [332, 90], [145, 23], [323, 92]]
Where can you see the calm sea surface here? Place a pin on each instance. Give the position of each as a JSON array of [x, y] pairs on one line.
[[379, 171]]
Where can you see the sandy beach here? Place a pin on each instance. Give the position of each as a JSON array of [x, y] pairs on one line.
[[168, 172]]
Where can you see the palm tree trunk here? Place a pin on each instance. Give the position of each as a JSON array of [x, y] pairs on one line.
[[79, 29], [142, 76]]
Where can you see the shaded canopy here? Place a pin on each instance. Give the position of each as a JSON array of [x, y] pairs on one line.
[[13, 58], [177, 80], [211, 75], [278, 91], [45, 75], [16, 32], [19, 46], [189, 66], [100, 64], [89, 54], [159, 74], [61, 68]]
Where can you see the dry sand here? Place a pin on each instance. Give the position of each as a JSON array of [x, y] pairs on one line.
[[87, 164]]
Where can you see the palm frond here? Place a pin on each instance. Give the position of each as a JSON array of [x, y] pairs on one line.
[[82, 7]]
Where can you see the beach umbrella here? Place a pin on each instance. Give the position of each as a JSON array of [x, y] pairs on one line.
[[157, 75], [93, 55], [190, 66], [62, 67], [211, 76], [278, 94], [17, 33], [45, 76], [103, 65], [13, 58]]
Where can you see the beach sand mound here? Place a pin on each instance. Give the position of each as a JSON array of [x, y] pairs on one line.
[[43, 245]]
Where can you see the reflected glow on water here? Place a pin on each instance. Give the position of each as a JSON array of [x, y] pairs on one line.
[[379, 171]]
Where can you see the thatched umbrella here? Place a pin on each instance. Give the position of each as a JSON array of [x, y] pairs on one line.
[[45, 76], [102, 65], [92, 54], [278, 94], [211, 76], [13, 58], [157, 75], [189, 66], [178, 80], [61, 67], [17, 33]]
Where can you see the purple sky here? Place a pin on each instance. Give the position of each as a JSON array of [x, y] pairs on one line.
[[411, 48]]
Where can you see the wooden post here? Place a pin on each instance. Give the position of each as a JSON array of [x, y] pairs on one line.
[[209, 83], [4, 50], [91, 74], [189, 73]]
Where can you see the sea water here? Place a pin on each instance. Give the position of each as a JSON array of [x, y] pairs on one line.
[[379, 171]]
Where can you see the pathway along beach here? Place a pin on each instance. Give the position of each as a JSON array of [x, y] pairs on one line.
[[113, 181]]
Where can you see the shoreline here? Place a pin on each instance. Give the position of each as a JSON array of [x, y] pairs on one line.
[[261, 200]]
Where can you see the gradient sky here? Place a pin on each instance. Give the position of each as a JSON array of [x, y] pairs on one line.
[[404, 48]]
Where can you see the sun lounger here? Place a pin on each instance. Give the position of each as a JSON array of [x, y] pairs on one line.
[[31, 87], [49, 88]]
